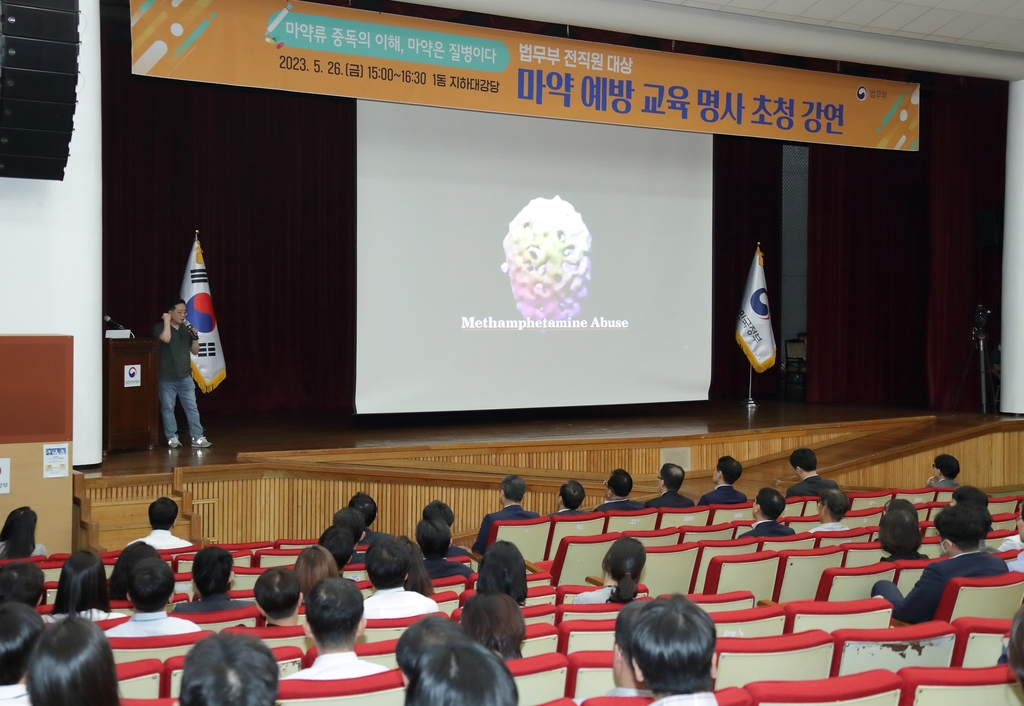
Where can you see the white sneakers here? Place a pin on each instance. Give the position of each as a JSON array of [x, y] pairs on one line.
[[200, 442]]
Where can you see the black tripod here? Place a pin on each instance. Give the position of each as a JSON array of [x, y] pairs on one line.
[[979, 343]]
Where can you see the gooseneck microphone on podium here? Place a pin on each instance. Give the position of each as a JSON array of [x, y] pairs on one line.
[[119, 330], [115, 323]]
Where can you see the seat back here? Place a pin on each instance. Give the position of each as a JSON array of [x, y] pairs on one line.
[[587, 611], [924, 645], [670, 569], [731, 513], [541, 639], [992, 597], [382, 653], [834, 539], [221, 619], [852, 584], [140, 679], [267, 558], [931, 547], [908, 572], [737, 600], [1004, 521], [711, 549], [861, 554], [800, 572], [791, 543], [245, 578], [1009, 503], [580, 557], [805, 523], [876, 688], [705, 533], [869, 614], [636, 520], [585, 635], [529, 536], [289, 661], [979, 641], [917, 496], [536, 615], [590, 674], [684, 517], [294, 636], [655, 538], [379, 630], [995, 686], [295, 543], [765, 621], [755, 572], [869, 499], [539, 679], [456, 584], [859, 519], [537, 595], [384, 689], [447, 601], [132, 649], [741, 660], [572, 526]]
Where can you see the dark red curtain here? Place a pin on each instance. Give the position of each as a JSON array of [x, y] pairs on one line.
[[268, 179], [747, 211]]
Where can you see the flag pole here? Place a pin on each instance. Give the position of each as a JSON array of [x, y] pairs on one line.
[[750, 389]]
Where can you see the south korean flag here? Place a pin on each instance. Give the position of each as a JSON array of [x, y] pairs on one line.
[[208, 369]]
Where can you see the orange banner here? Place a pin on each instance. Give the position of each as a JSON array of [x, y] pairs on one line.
[[311, 48]]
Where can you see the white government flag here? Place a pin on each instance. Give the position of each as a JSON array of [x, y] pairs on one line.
[[754, 323], [208, 368]]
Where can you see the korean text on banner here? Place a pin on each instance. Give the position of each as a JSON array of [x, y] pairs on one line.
[[339, 51]]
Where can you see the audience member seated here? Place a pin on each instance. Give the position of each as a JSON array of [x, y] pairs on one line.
[[670, 480], [418, 579], [1015, 648], [338, 541], [387, 565], [899, 532], [438, 510], [350, 519], [496, 622], [163, 514], [621, 565], [804, 463], [570, 496], [334, 620], [1014, 543], [503, 570], [727, 472], [313, 565], [945, 469], [673, 646], [768, 506], [434, 539], [278, 596], [22, 582], [960, 529], [20, 627], [461, 674], [972, 496], [832, 508], [72, 665], [229, 670], [513, 489], [420, 637], [150, 587], [82, 589], [616, 492], [126, 561], [367, 507], [18, 536], [212, 574], [622, 655]]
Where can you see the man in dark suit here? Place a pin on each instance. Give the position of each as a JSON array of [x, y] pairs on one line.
[[513, 489], [438, 510], [367, 507], [726, 473], [804, 463], [434, 538], [768, 506], [570, 496], [670, 480], [212, 574], [616, 492], [960, 529]]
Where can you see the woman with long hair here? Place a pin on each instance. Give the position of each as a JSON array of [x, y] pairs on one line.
[[899, 532], [18, 537], [72, 665], [503, 570], [418, 579], [82, 589], [622, 565], [496, 622], [314, 564], [126, 561]]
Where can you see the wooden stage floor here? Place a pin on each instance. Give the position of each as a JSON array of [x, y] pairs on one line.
[[283, 431]]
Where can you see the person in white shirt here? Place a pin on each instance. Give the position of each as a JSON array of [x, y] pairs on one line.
[[229, 670], [387, 566], [832, 508], [150, 587], [622, 656], [334, 621], [20, 627], [673, 646], [163, 514]]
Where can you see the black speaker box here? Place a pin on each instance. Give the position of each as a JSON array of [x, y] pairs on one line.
[[38, 86]]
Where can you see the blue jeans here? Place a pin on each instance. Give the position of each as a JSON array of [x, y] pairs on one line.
[[184, 390]]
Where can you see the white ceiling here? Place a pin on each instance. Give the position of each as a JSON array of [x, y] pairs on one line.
[[993, 24]]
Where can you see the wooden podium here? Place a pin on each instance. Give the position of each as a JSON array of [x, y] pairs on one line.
[[131, 410]]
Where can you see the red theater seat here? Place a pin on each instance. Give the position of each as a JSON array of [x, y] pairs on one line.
[[837, 691], [924, 686], [292, 690]]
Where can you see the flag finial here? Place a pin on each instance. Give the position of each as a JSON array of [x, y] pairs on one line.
[[197, 235]]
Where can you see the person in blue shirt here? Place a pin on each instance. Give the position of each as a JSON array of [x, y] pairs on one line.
[[727, 472], [513, 490]]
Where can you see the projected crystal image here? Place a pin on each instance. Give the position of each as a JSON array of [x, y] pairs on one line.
[[547, 258]]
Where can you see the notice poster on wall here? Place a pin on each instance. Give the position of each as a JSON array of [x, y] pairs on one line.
[[5, 476], [55, 460]]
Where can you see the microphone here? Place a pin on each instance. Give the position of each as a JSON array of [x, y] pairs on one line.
[[114, 323], [195, 334]]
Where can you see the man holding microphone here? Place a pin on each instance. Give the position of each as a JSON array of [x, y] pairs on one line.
[[178, 342]]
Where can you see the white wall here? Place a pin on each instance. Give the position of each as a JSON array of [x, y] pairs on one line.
[[51, 248], [1012, 393]]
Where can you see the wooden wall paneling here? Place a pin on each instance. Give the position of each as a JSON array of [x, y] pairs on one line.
[[50, 498]]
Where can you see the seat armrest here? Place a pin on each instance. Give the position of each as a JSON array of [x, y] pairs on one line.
[[595, 581]]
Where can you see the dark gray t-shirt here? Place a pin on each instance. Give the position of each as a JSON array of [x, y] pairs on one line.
[[175, 357]]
